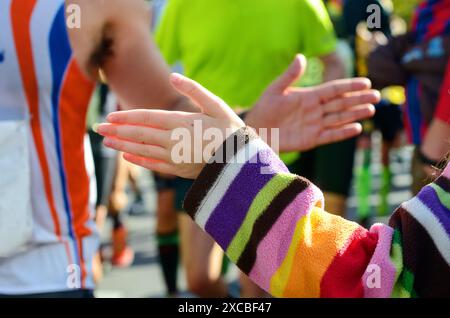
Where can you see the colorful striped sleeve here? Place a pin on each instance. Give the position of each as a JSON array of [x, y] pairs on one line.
[[421, 244], [272, 225]]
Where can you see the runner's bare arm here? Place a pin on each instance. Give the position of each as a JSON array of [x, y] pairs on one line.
[[115, 37]]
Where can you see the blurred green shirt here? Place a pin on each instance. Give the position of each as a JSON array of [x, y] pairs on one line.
[[236, 48]]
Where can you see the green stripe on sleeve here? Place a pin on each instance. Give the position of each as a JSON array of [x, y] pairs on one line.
[[443, 196], [273, 188]]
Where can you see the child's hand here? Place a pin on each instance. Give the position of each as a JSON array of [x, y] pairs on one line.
[[147, 136]]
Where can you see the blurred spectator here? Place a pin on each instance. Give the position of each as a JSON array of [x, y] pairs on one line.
[[419, 61]]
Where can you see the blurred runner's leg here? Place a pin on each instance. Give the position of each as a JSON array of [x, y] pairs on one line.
[[167, 232]]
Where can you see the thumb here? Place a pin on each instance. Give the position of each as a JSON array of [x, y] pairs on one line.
[[290, 76], [209, 103]]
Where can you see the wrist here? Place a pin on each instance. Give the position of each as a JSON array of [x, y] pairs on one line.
[[435, 145], [427, 160], [212, 171]]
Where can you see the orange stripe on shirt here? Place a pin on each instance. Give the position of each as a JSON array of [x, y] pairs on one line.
[[21, 12], [74, 101], [323, 237]]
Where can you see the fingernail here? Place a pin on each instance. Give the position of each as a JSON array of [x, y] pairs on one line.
[[377, 94], [176, 78], [100, 129], [111, 118], [95, 128], [107, 142]]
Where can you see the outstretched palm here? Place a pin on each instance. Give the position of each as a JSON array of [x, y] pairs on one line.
[[310, 117]]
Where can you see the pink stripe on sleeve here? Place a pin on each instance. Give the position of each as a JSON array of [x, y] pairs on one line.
[[447, 171], [381, 258], [274, 247]]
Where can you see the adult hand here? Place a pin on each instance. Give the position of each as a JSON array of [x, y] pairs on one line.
[[310, 117]]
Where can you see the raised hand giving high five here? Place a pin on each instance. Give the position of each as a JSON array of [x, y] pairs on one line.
[[310, 117]]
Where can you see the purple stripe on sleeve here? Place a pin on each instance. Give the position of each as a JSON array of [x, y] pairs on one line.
[[429, 197], [227, 217]]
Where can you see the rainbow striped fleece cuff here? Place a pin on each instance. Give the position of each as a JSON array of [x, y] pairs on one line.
[[422, 240], [272, 225], [238, 200]]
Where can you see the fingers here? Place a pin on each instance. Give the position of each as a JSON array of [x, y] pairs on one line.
[[207, 101], [154, 165], [290, 76], [337, 88], [333, 135], [136, 134], [147, 151], [349, 116], [351, 100], [152, 118]]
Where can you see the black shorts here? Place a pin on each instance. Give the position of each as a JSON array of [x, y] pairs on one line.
[[105, 163], [179, 185], [330, 167]]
